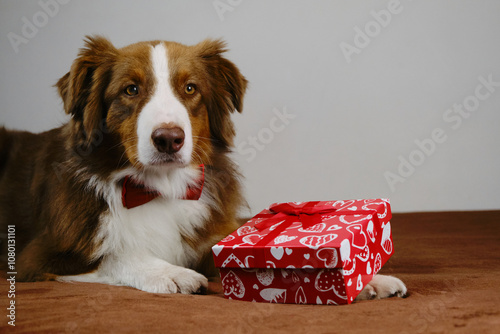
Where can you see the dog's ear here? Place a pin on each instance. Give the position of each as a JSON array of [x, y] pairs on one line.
[[82, 88], [228, 87]]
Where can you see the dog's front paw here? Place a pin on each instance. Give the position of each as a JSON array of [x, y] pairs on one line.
[[382, 286], [174, 279]]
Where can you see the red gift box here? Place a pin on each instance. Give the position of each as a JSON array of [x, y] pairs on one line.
[[307, 252]]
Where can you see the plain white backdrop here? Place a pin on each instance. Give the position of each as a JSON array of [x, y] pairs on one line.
[[347, 99]]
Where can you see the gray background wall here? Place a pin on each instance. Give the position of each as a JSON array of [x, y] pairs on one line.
[[384, 98]]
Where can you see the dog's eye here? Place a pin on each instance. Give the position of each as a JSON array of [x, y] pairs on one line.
[[190, 89], [132, 90]]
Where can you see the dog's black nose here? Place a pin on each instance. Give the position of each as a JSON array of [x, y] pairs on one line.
[[168, 139]]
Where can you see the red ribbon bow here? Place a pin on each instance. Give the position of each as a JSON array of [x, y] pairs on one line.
[[135, 194], [308, 215]]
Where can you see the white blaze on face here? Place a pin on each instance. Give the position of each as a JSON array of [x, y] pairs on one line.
[[163, 108]]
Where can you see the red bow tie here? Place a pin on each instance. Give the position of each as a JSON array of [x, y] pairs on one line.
[[136, 194]]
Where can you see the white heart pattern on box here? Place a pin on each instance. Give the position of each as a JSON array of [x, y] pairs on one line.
[[265, 276], [358, 236], [233, 285], [369, 230], [300, 296], [245, 229], [349, 271], [378, 264], [315, 241], [217, 249], [252, 239], [364, 254], [327, 217], [274, 295], [345, 255], [349, 222], [345, 250], [283, 239], [230, 258], [284, 273], [331, 280], [277, 252], [318, 228], [343, 204], [359, 284], [386, 238], [374, 206], [247, 260], [228, 238], [329, 256]]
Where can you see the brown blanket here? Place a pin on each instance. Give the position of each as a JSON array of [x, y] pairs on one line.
[[450, 262]]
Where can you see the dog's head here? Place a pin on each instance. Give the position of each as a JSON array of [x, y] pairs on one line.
[[169, 104]]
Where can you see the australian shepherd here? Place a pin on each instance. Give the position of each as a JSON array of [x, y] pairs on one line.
[[137, 186], [149, 115]]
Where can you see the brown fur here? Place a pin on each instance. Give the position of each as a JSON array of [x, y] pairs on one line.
[[43, 191]]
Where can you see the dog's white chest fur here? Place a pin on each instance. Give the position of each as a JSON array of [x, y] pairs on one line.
[[153, 229], [144, 247]]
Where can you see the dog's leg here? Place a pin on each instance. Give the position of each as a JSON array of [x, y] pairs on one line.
[[93, 277], [382, 286], [147, 274]]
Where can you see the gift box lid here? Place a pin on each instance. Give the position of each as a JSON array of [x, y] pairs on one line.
[[327, 234]]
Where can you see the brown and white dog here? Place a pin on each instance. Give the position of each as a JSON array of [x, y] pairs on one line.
[[150, 113]]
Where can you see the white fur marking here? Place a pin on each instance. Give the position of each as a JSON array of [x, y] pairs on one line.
[[164, 107], [143, 247]]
